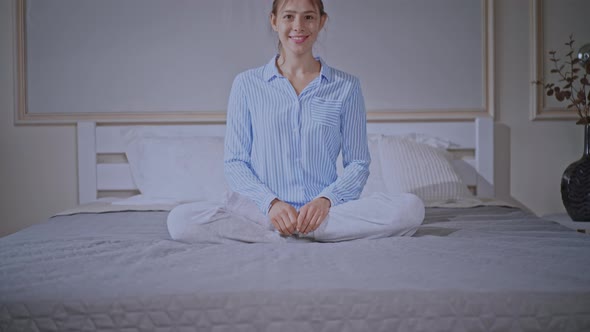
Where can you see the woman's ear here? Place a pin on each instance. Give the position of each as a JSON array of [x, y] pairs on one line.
[[273, 22], [323, 20]]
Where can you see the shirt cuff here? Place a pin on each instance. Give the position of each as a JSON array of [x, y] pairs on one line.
[[334, 200], [265, 205]]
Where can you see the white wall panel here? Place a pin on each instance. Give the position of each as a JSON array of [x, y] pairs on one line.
[[110, 59]]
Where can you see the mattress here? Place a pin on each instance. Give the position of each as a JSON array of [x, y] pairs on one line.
[[485, 268]]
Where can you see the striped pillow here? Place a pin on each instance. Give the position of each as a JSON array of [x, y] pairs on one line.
[[421, 169], [375, 181]]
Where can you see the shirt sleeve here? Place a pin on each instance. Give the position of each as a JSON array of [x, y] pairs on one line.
[[355, 151], [238, 171]]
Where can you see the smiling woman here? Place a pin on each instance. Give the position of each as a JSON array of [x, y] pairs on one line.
[[314, 20], [308, 114], [297, 24], [148, 60]]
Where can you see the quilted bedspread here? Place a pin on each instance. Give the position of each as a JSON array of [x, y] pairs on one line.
[[475, 269]]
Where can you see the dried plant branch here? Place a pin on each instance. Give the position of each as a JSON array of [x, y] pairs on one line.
[[578, 98]]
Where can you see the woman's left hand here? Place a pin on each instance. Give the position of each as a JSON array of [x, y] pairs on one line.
[[312, 214]]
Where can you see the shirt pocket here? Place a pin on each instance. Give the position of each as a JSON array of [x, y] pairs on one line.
[[326, 112]]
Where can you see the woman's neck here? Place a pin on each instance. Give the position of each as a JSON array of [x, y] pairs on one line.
[[295, 66]]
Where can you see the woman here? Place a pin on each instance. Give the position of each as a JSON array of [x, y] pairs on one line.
[[287, 122]]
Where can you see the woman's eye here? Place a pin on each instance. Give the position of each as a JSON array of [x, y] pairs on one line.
[[309, 17], [288, 16]]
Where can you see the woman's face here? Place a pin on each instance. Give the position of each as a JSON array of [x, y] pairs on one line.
[[297, 23]]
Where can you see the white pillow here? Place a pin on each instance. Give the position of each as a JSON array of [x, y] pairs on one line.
[[182, 167], [178, 168], [421, 169]]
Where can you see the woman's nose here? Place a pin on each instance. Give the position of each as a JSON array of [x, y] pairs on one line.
[[298, 24]]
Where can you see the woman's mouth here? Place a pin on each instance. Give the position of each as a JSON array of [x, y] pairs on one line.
[[298, 39]]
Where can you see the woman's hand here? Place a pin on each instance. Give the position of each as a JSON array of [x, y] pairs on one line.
[[283, 216], [313, 214]]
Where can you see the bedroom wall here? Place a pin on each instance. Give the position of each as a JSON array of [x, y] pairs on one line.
[[38, 163], [539, 151]]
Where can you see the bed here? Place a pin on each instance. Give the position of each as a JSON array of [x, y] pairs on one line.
[[475, 264]]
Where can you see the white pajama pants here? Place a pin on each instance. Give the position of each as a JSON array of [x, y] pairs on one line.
[[239, 219]]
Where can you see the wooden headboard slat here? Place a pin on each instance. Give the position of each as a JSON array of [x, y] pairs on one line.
[[103, 168]]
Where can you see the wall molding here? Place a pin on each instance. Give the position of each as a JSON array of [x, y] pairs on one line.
[[23, 116], [538, 109]]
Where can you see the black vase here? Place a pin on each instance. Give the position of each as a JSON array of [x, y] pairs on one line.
[[575, 185]]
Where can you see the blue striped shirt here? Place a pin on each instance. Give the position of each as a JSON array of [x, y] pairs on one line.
[[285, 146]]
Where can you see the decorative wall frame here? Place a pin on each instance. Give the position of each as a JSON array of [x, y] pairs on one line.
[[542, 108], [26, 115]]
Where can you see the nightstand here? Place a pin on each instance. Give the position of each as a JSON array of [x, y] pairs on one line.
[[565, 220]]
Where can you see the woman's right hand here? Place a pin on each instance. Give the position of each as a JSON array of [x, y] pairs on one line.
[[283, 216]]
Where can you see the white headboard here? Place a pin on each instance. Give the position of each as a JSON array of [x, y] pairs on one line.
[[103, 169]]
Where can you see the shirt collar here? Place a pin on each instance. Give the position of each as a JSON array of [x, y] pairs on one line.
[[270, 70]]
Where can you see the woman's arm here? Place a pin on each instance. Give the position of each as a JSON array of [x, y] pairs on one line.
[[355, 150], [238, 145]]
